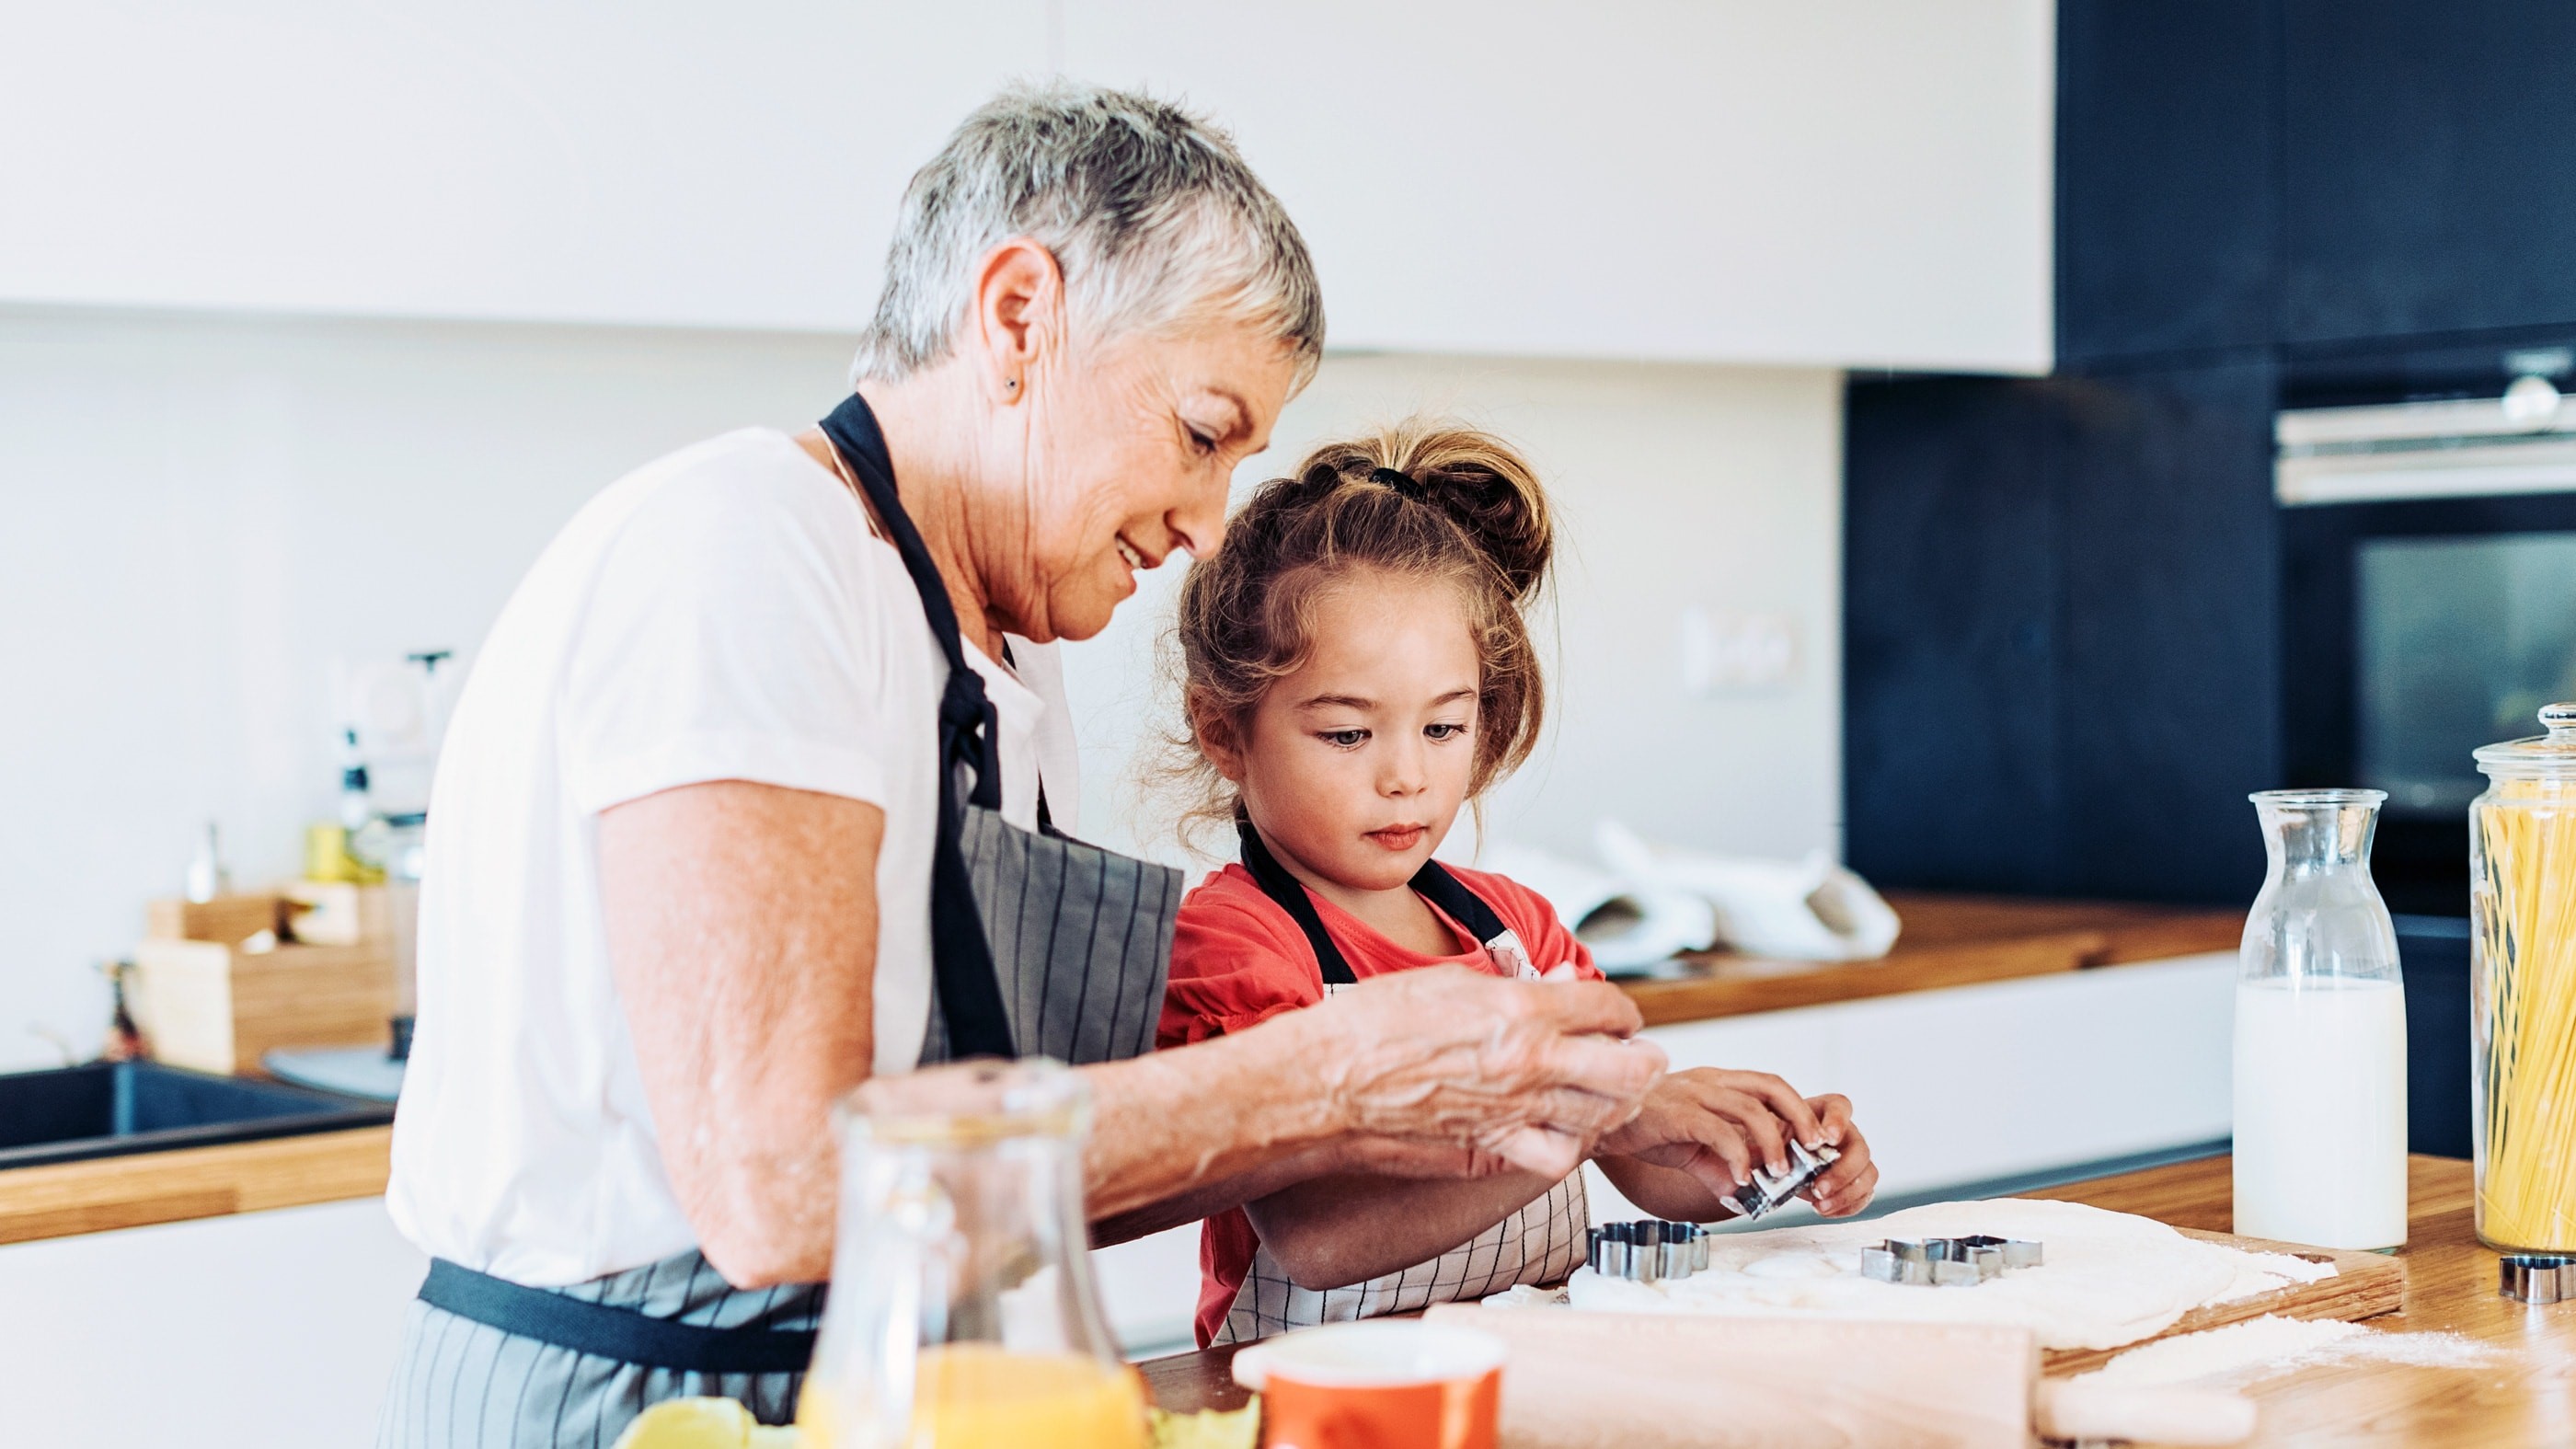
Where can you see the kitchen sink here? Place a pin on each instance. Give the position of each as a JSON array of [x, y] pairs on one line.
[[109, 1109]]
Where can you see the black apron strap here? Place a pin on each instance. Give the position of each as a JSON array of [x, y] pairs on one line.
[[1433, 883], [961, 960], [614, 1333]]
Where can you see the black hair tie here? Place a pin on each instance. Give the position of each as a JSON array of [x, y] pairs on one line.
[[1401, 482]]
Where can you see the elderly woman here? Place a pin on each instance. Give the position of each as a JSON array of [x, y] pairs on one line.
[[770, 740]]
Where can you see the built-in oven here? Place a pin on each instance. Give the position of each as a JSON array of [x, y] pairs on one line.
[[2428, 524]]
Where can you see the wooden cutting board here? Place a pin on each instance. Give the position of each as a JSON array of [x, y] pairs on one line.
[[2365, 1285]]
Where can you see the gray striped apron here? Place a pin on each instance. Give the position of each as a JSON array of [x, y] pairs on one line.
[[1540, 1242], [1040, 946]]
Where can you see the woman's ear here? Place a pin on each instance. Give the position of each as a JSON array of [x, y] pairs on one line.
[[1217, 740], [1019, 315]]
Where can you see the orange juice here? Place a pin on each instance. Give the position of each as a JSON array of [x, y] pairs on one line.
[[977, 1396]]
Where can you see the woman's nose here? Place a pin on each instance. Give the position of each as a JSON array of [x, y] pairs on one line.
[[1199, 525]]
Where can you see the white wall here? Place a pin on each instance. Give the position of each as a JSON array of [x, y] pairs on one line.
[[205, 513], [202, 514], [1679, 486]]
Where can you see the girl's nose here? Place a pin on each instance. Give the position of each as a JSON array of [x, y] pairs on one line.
[[1403, 772]]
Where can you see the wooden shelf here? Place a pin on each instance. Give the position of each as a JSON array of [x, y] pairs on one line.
[[198, 1182], [1949, 940]]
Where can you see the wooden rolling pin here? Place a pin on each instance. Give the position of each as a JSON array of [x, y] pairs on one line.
[[1685, 1381]]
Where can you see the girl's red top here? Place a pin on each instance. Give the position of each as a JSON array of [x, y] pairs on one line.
[[1239, 959]]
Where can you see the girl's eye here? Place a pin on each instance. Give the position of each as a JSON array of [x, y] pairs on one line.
[[1444, 731], [1343, 739]]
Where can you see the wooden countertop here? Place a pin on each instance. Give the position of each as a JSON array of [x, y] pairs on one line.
[[197, 1182], [1948, 940], [2527, 1397]]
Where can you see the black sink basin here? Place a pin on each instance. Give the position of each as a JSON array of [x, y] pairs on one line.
[[111, 1108]]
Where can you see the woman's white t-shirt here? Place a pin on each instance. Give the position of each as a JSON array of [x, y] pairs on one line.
[[721, 614]]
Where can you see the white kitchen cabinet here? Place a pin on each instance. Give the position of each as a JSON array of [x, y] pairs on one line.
[[724, 166], [1865, 182], [271, 1330]]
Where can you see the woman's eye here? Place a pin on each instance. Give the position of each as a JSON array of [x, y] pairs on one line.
[[1444, 731], [1343, 739], [1200, 443]]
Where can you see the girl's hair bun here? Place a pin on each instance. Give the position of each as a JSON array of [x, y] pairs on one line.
[[1480, 481]]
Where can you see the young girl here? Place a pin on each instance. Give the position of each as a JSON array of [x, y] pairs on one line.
[[1356, 666]]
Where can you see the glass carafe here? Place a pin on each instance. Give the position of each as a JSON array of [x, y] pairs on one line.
[[2320, 1153], [2522, 1013], [962, 1313]]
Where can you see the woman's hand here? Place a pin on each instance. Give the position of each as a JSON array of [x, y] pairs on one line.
[[1439, 1073], [1533, 1074], [1703, 1131]]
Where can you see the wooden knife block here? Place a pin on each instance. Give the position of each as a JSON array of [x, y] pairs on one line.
[[210, 1005]]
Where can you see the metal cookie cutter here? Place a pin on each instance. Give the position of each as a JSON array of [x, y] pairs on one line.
[[1948, 1262], [1768, 1190], [2537, 1277], [1648, 1250]]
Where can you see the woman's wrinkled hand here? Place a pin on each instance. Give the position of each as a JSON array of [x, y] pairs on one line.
[[1531, 1073], [1719, 1126]]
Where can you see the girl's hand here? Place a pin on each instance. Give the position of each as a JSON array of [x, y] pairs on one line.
[[1717, 1126], [1846, 1187]]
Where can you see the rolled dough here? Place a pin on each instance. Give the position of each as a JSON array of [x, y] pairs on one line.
[[2110, 1279]]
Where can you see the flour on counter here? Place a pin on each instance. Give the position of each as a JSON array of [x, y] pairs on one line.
[[2110, 1279], [2262, 1347]]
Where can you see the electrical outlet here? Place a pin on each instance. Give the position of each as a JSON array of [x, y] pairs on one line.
[[1737, 651]]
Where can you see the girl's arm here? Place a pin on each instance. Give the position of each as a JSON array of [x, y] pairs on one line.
[[1331, 1232]]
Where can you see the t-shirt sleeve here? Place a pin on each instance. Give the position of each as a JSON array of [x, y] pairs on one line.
[[728, 636], [1234, 965]]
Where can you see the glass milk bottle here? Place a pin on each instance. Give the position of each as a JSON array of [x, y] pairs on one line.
[[962, 1314], [2522, 1010], [2320, 1034]]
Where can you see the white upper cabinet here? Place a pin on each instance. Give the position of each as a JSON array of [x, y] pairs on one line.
[[730, 165], [1845, 182], [1840, 182]]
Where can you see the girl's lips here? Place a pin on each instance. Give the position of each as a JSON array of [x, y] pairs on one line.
[[1398, 837]]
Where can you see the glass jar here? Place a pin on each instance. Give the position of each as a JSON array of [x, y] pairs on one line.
[[962, 1313], [2522, 1011], [2320, 1153]]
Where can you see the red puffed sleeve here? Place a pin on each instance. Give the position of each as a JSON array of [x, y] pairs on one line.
[[1237, 961]]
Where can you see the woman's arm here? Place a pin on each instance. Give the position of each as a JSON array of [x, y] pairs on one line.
[[741, 923], [742, 930]]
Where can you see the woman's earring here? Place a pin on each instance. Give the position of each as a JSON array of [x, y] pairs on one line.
[[1013, 384]]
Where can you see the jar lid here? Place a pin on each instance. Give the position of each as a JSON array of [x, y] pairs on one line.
[[2551, 754]]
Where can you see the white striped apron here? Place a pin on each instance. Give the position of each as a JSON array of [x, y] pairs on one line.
[[1541, 1242]]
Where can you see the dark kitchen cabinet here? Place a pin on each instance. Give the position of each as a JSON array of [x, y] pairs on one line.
[[2060, 631], [2428, 167], [2168, 673], [2168, 120], [1950, 573]]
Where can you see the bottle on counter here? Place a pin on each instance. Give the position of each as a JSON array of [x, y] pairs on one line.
[[2320, 1154], [2522, 1015]]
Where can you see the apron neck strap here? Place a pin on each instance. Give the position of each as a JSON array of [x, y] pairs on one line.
[[968, 729], [1433, 883]]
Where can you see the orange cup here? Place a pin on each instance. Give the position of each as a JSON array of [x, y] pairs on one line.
[[1381, 1384]]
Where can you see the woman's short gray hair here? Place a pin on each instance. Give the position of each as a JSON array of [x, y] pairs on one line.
[[1150, 212]]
